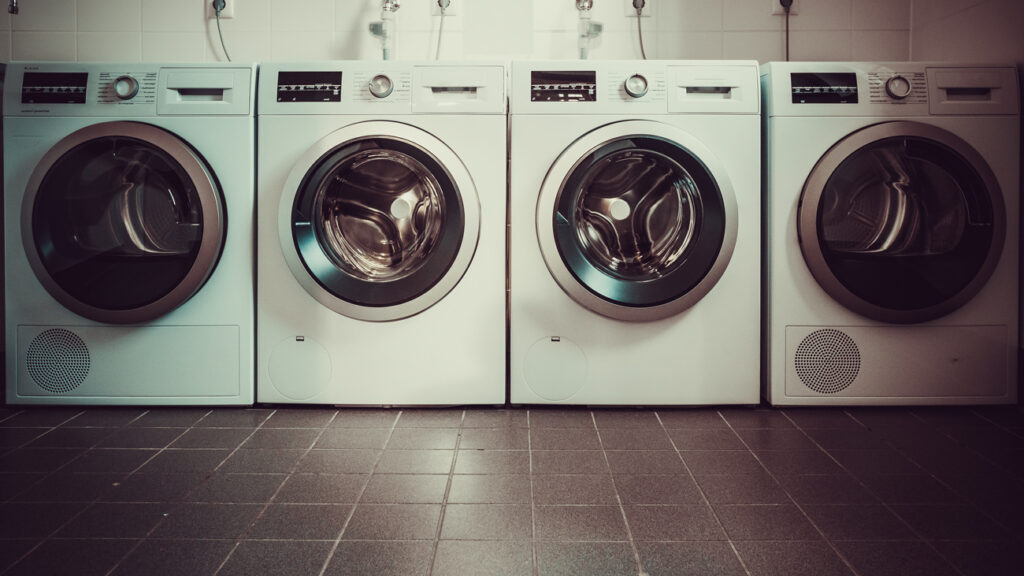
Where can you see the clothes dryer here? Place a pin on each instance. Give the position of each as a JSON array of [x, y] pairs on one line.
[[129, 196], [381, 274], [634, 232], [891, 201]]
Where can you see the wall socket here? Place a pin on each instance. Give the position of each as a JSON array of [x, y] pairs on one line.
[[435, 8], [227, 12], [647, 12], [777, 8]]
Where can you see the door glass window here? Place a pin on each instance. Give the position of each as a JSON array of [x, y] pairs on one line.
[[117, 223], [905, 222]]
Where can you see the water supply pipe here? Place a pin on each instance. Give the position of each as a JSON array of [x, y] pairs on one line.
[[587, 29], [384, 29]]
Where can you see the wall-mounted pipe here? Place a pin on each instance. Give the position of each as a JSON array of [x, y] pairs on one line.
[[587, 29], [12, 6], [385, 28]]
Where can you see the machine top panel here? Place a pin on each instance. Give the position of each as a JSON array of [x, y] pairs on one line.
[[127, 90], [882, 89], [381, 87], [635, 87]]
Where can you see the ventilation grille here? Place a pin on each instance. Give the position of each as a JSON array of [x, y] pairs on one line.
[[58, 360], [827, 361]]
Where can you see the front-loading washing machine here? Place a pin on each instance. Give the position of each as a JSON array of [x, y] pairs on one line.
[[891, 239], [634, 244], [381, 202], [129, 198]]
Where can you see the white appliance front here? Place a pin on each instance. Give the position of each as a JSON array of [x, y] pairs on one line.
[[129, 202], [381, 277], [892, 228], [634, 238]]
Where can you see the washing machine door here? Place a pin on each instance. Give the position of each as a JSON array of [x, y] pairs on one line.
[[901, 222], [637, 220], [122, 222], [379, 220]]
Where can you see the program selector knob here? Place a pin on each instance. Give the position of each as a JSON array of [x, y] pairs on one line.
[[898, 87], [636, 85], [126, 87], [381, 86]]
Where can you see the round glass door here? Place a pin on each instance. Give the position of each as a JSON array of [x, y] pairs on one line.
[[379, 223], [641, 224], [902, 222], [123, 222]]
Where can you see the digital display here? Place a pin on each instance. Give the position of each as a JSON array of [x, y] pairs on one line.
[[54, 87], [309, 86], [824, 88], [563, 86]]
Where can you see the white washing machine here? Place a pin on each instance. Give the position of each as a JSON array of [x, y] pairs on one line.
[[634, 250], [381, 201], [129, 197], [891, 205]]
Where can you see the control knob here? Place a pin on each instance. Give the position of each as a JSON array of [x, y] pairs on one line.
[[126, 87], [636, 85], [381, 86], [898, 87]]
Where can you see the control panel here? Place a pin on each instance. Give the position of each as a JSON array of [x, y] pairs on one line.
[[122, 87], [898, 87], [309, 86], [563, 86], [824, 88], [54, 87]]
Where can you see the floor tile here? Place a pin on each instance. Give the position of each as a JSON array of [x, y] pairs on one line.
[[365, 418], [487, 522], [37, 460], [950, 522], [154, 487], [393, 522], [776, 439], [11, 485], [300, 522], [739, 418], [228, 438], [381, 559], [105, 417], [262, 461], [673, 523], [234, 418], [458, 558], [742, 489], [573, 489], [765, 522], [175, 558], [895, 559], [207, 521], [856, 522], [870, 462], [90, 557], [353, 438], [71, 437], [423, 439], [657, 489], [983, 558], [430, 418], [608, 419], [697, 558], [405, 489], [909, 489], [237, 488], [115, 520], [278, 557], [339, 461], [40, 417], [170, 417], [300, 418], [561, 418], [109, 461], [787, 462], [485, 418], [861, 439], [184, 461], [495, 439], [132, 437], [791, 559], [691, 418], [569, 462], [826, 489], [645, 462], [564, 439], [822, 418], [490, 489], [702, 462], [585, 558], [35, 519], [492, 462], [14, 437], [579, 523], [634, 439], [322, 488], [700, 439], [12, 550], [70, 488]]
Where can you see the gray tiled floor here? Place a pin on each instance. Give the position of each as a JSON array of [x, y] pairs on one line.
[[532, 492]]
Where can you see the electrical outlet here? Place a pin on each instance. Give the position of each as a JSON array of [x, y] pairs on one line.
[[435, 8], [777, 8], [647, 12], [227, 12]]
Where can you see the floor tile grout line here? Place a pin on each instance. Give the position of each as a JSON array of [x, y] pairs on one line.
[[444, 498], [359, 496], [887, 507], [534, 564], [703, 495], [618, 499]]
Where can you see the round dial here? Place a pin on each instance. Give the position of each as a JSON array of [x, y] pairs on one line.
[[898, 87], [636, 85], [126, 87], [381, 86]]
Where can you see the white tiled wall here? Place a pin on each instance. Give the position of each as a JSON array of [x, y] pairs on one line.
[[156, 30]]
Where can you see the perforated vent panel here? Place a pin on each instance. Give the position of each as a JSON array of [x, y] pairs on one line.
[[827, 361], [58, 360]]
